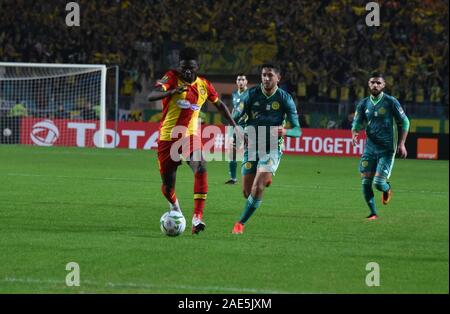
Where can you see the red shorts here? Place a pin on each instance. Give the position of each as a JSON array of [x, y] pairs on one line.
[[169, 152]]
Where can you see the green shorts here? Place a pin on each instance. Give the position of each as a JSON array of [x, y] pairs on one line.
[[381, 163], [268, 163]]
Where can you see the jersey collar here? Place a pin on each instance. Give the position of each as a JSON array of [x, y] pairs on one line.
[[191, 84], [374, 100], [267, 96], [239, 93]]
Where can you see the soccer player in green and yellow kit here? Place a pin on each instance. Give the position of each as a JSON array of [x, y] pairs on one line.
[[267, 108], [382, 115], [237, 97]]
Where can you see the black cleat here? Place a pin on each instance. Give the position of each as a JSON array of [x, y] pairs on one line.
[[231, 181]]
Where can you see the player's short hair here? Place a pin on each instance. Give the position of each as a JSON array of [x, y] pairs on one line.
[[272, 66], [188, 53], [241, 74], [377, 74]]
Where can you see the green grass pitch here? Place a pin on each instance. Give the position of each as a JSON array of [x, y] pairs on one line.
[[101, 209]]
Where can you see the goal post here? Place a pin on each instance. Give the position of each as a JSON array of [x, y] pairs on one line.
[[41, 104]]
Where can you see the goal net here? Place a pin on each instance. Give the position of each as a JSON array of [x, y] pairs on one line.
[[52, 104]]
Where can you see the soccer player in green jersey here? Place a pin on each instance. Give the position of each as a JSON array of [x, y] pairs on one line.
[[382, 115], [267, 108], [237, 97]]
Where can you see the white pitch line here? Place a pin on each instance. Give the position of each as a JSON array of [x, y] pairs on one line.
[[73, 177], [143, 286], [277, 186]]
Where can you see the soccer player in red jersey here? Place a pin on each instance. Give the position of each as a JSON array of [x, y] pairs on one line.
[[183, 93]]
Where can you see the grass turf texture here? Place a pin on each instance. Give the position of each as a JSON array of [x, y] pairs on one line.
[[101, 209]]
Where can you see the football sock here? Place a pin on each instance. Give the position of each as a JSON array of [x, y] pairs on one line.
[[233, 166], [169, 194], [175, 206], [250, 206], [381, 184], [200, 191], [368, 194]]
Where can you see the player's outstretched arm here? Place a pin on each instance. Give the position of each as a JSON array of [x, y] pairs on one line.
[[160, 93], [223, 109]]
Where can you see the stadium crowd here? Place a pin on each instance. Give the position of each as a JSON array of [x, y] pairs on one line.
[[324, 47]]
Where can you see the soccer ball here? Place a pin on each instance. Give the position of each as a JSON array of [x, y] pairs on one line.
[[172, 223], [7, 132]]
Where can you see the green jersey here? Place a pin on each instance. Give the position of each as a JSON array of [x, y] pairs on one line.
[[382, 115], [268, 110], [237, 99]]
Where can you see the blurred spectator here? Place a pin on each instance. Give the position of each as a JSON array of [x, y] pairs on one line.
[[347, 122], [61, 113], [326, 56], [18, 110], [89, 112], [302, 120]]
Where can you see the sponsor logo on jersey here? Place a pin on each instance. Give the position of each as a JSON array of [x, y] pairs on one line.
[[185, 104]]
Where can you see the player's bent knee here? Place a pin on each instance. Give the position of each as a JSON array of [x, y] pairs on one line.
[[268, 183], [379, 183], [258, 189]]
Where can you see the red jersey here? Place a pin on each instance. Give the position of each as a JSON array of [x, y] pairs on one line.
[[183, 109]]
